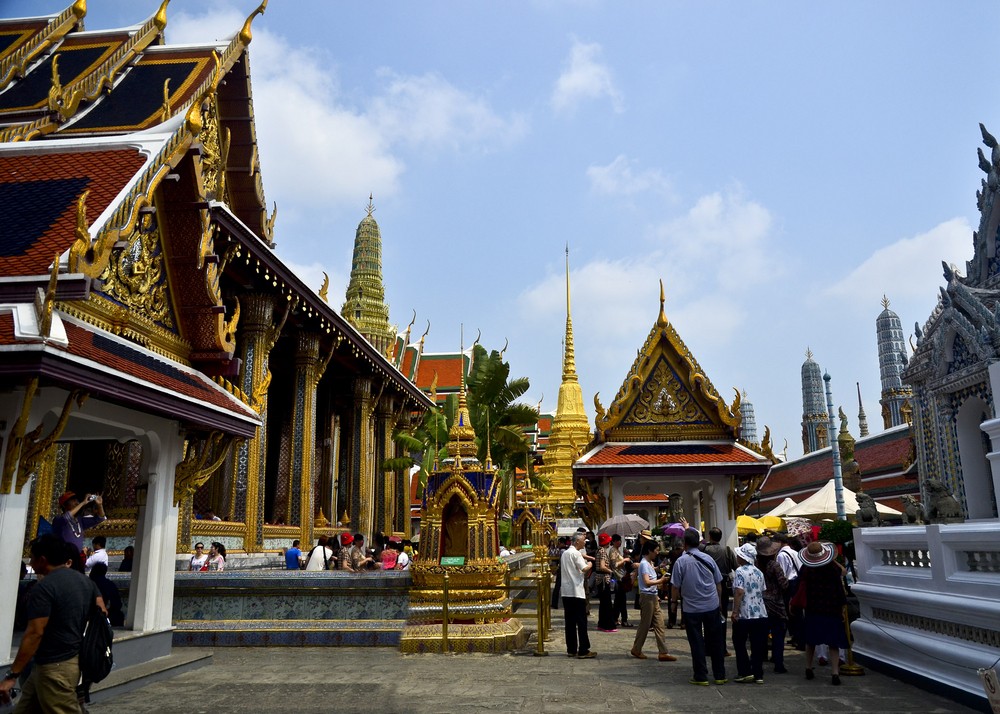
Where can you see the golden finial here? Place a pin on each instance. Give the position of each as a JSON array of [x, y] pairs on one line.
[[269, 222], [324, 287], [80, 8], [744, 395], [245, 34], [809, 353], [506, 344], [371, 205], [165, 108], [479, 335], [193, 119], [160, 18], [885, 302], [434, 386], [661, 320], [567, 279], [489, 457], [424, 336], [56, 84], [45, 323]]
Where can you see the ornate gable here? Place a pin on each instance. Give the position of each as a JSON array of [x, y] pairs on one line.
[[666, 396]]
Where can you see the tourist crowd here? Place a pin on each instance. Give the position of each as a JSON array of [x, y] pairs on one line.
[[768, 588]]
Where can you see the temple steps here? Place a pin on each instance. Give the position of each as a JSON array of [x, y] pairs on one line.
[[289, 633]]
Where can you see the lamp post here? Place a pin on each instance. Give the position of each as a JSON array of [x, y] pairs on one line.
[[838, 476]]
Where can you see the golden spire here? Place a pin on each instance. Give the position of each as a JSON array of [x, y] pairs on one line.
[[461, 436], [885, 302], [569, 354], [570, 428], [809, 353], [371, 204], [661, 319]]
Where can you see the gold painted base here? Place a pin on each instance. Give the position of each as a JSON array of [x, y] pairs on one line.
[[852, 670], [487, 637]]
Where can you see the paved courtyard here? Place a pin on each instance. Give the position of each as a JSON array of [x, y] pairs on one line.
[[382, 680]]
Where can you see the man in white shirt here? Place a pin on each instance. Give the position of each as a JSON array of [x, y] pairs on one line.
[[574, 568], [402, 559], [790, 561], [97, 554]]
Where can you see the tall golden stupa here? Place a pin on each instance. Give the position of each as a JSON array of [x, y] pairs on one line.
[[570, 433], [460, 539]]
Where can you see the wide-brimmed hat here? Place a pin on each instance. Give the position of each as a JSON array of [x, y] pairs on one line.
[[766, 546], [748, 552], [65, 498], [816, 554], [603, 539], [646, 533]]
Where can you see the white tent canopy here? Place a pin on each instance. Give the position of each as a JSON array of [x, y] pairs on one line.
[[823, 504], [782, 508]]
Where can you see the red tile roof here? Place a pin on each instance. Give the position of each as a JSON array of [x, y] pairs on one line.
[[6, 328], [679, 454], [41, 192], [449, 371], [645, 497], [117, 355]]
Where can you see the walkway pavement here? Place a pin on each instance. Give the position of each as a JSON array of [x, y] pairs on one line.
[[370, 680]]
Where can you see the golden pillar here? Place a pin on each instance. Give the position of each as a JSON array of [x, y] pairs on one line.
[[301, 490], [257, 336], [385, 480]]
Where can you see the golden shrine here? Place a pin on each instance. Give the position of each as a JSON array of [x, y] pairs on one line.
[[459, 571], [669, 431]]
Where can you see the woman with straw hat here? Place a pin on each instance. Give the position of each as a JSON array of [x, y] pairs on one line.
[[822, 581]]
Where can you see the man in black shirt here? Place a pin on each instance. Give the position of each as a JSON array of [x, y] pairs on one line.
[[57, 613]]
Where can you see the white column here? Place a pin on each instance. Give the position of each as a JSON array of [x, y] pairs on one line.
[[151, 593], [13, 518]]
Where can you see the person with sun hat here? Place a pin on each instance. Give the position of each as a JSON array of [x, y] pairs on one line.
[[822, 580]]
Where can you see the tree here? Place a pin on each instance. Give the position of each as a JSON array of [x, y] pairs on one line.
[[498, 418], [419, 445]]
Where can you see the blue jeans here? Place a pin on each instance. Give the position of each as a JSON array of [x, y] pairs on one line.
[[705, 633]]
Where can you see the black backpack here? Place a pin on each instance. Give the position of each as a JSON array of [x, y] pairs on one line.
[[96, 659]]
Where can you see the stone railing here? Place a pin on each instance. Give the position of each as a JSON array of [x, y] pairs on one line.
[[930, 602]]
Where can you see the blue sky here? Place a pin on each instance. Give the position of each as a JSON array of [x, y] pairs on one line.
[[779, 165]]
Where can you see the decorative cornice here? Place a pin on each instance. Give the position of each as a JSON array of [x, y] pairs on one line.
[[17, 63]]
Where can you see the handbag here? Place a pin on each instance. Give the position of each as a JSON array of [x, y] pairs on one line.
[[627, 583], [798, 601]]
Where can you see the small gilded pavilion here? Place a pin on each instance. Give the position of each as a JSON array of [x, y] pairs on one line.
[[154, 347], [668, 431]]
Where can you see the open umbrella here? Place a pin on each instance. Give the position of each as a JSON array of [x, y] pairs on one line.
[[797, 526], [746, 525], [673, 529], [625, 525], [772, 523]]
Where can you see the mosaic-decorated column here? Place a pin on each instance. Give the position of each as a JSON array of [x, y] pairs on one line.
[[363, 458], [384, 480], [257, 336], [308, 371]]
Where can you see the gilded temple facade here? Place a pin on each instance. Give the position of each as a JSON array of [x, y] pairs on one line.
[[154, 347], [668, 431]]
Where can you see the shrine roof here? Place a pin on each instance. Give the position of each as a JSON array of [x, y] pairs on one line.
[[39, 191], [668, 454], [449, 367], [137, 100], [78, 56], [115, 369]]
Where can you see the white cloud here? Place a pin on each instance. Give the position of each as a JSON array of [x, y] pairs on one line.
[[620, 177], [427, 110], [706, 258], [903, 270], [316, 146], [584, 77]]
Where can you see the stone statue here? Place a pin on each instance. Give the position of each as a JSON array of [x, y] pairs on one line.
[[676, 507], [941, 506], [912, 512], [867, 513]]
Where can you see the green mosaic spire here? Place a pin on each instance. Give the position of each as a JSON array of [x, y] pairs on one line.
[[365, 306]]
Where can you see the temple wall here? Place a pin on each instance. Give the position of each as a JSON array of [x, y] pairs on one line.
[[930, 602]]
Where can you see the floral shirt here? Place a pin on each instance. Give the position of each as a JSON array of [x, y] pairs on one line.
[[751, 581]]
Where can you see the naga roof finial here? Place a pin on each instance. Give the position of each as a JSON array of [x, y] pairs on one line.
[[245, 34], [661, 320]]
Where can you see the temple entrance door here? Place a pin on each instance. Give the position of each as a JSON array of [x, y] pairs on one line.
[[455, 529], [973, 445]]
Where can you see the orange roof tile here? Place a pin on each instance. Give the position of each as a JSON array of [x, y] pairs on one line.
[[667, 454], [38, 198], [449, 370]]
